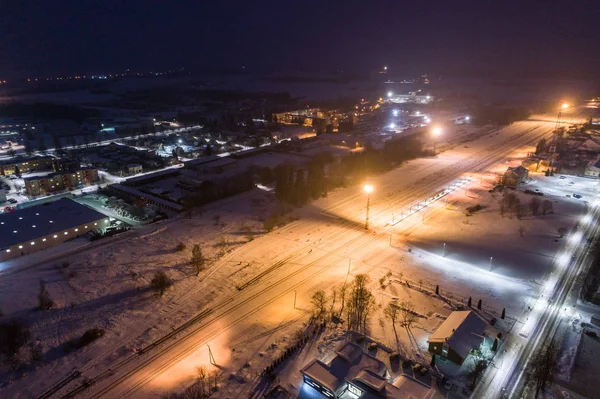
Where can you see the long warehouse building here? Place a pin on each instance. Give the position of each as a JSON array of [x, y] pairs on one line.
[[28, 230]]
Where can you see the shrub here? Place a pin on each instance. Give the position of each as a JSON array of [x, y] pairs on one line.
[[180, 247], [160, 283], [88, 337]]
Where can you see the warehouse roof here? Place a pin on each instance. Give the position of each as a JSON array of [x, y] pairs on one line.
[[42, 220]]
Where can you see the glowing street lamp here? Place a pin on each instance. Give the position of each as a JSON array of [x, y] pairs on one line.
[[395, 112], [565, 106], [390, 94], [436, 132], [368, 189]]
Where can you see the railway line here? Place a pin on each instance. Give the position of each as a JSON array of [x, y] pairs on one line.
[[250, 290]]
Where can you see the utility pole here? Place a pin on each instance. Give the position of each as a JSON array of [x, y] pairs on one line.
[[211, 358], [294, 299], [491, 258], [444, 251], [367, 219]]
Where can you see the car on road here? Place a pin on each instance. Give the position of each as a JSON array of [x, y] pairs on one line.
[[562, 177], [591, 333], [12, 200], [576, 196]]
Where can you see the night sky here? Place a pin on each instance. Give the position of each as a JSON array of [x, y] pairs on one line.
[[550, 38]]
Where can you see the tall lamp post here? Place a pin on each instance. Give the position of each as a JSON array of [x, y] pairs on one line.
[[436, 132], [368, 189], [563, 106]]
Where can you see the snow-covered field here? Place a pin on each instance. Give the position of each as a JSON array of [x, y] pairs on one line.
[[251, 285]]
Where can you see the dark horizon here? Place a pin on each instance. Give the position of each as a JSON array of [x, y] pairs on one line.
[[533, 38]]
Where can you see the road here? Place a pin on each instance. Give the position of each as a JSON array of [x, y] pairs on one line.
[[535, 328], [295, 267]]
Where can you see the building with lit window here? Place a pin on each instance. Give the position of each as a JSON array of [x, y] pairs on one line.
[[19, 165], [59, 181], [43, 226], [354, 374], [462, 332]]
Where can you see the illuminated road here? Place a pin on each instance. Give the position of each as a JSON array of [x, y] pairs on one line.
[[507, 378], [302, 267]]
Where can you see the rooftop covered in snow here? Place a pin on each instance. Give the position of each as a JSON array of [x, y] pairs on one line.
[[42, 220]]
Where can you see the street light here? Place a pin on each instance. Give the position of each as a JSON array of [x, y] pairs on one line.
[[390, 94], [436, 132], [565, 106], [368, 189]]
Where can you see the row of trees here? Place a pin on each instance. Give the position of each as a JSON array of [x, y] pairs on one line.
[[511, 205], [297, 185], [355, 299]]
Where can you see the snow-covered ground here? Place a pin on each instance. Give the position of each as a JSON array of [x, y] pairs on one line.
[[326, 246]]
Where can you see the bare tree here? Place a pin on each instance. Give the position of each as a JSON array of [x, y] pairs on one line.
[[475, 372], [392, 312], [334, 293], [543, 367], [342, 290], [407, 314], [360, 303], [547, 207], [319, 304], [198, 260], [534, 205]]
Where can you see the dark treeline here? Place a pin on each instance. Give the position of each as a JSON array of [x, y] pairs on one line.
[[499, 115], [46, 111], [297, 186]]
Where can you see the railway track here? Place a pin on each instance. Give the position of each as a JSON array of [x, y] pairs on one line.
[[203, 320]]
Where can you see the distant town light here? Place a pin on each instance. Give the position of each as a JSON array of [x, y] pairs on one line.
[[395, 112], [55, 236], [392, 125], [436, 131], [467, 118], [390, 94]]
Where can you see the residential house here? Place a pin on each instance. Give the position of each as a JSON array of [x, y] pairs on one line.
[[457, 336], [361, 375], [515, 176]]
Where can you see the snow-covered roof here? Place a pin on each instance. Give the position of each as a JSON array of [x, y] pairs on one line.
[[42, 220], [520, 170], [462, 330], [366, 372]]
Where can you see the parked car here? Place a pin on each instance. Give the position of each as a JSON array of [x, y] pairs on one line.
[[591, 333], [12, 200], [562, 177], [576, 196]]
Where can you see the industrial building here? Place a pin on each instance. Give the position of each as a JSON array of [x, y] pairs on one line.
[[28, 230]]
